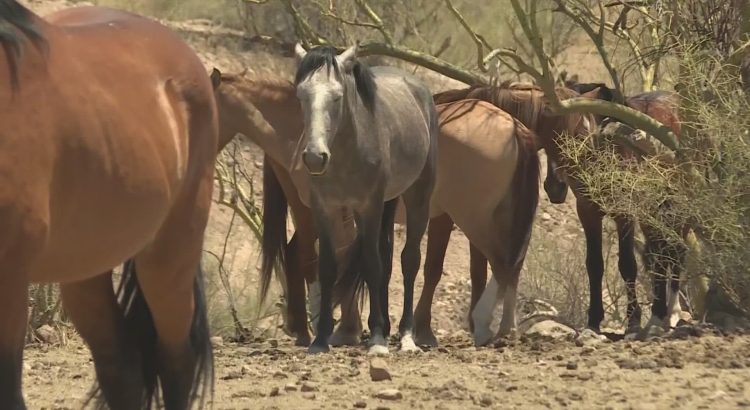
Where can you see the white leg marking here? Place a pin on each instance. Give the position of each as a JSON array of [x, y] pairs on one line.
[[483, 312], [508, 323], [673, 308], [408, 345], [313, 300], [377, 350]]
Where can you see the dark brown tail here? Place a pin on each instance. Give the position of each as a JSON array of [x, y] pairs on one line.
[[274, 227], [525, 193]]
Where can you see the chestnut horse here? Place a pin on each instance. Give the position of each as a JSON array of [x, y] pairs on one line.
[[513, 99], [108, 146]]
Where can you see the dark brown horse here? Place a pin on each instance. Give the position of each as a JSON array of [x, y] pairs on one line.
[[109, 136], [661, 257]]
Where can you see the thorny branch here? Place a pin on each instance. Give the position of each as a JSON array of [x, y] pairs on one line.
[[544, 77]]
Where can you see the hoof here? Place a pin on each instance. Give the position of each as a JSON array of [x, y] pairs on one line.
[[482, 336], [346, 337], [426, 338], [302, 341], [315, 349], [408, 345], [377, 350]]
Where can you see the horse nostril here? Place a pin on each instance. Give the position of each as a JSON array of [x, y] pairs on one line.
[[316, 162]]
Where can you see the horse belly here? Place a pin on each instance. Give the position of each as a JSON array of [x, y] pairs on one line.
[[474, 174], [104, 219]]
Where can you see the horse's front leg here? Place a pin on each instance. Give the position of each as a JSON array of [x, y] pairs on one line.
[[13, 307], [591, 221], [327, 278], [369, 223], [628, 270]]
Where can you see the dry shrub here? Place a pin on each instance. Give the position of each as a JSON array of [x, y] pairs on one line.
[[705, 186]]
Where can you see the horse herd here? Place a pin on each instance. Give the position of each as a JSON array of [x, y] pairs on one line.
[[110, 132]]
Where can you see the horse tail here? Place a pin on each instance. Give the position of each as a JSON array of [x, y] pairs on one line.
[[140, 327], [274, 227], [352, 282], [525, 191]]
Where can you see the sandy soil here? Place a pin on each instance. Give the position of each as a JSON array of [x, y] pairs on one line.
[[709, 371]]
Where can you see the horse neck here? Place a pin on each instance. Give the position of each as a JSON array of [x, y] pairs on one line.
[[278, 107]]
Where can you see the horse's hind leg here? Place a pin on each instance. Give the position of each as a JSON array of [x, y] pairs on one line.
[[628, 270], [417, 203], [92, 306], [478, 273], [21, 237], [438, 236]]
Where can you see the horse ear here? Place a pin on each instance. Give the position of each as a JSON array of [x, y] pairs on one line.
[[593, 94], [299, 51], [215, 78], [348, 57]]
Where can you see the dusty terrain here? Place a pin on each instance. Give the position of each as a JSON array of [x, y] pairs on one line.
[[694, 368]]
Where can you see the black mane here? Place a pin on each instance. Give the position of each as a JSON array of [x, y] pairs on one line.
[[16, 25], [325, 56]]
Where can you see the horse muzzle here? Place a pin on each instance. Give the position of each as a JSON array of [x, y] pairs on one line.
[[316, 161]]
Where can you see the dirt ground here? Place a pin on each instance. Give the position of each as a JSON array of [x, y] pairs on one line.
[[693, 369], [707, 372]]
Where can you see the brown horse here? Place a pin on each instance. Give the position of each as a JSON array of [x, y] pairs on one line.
[[108, 147], [523, 103], [661, 257], [266, 110]]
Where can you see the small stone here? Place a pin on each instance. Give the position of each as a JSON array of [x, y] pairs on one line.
[[232, 375], [273, 343], [485, 401], [360, 404], [550, 328], [546, 216], [309, 387], [290, 387], [379, 370], [572, 366], [274, 392], [584, 376], [47, 334], [389, 394], [308, 395], [245, 369], [280, 375], [217, 341]]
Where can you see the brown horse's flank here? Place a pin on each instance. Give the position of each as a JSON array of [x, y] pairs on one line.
[[104, 164]]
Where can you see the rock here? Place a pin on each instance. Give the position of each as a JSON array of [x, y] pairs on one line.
[[379, 370], [217, 341], [389, 394], [274, 392], [245, 369], [47, 334], [550, 328], [572, 366], [309, 387], [308, 395], [588, 337], [546, 216], [485, 401], [360, 404], [290, 387]]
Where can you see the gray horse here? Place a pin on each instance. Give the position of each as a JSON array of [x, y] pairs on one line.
[[370, 137]]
